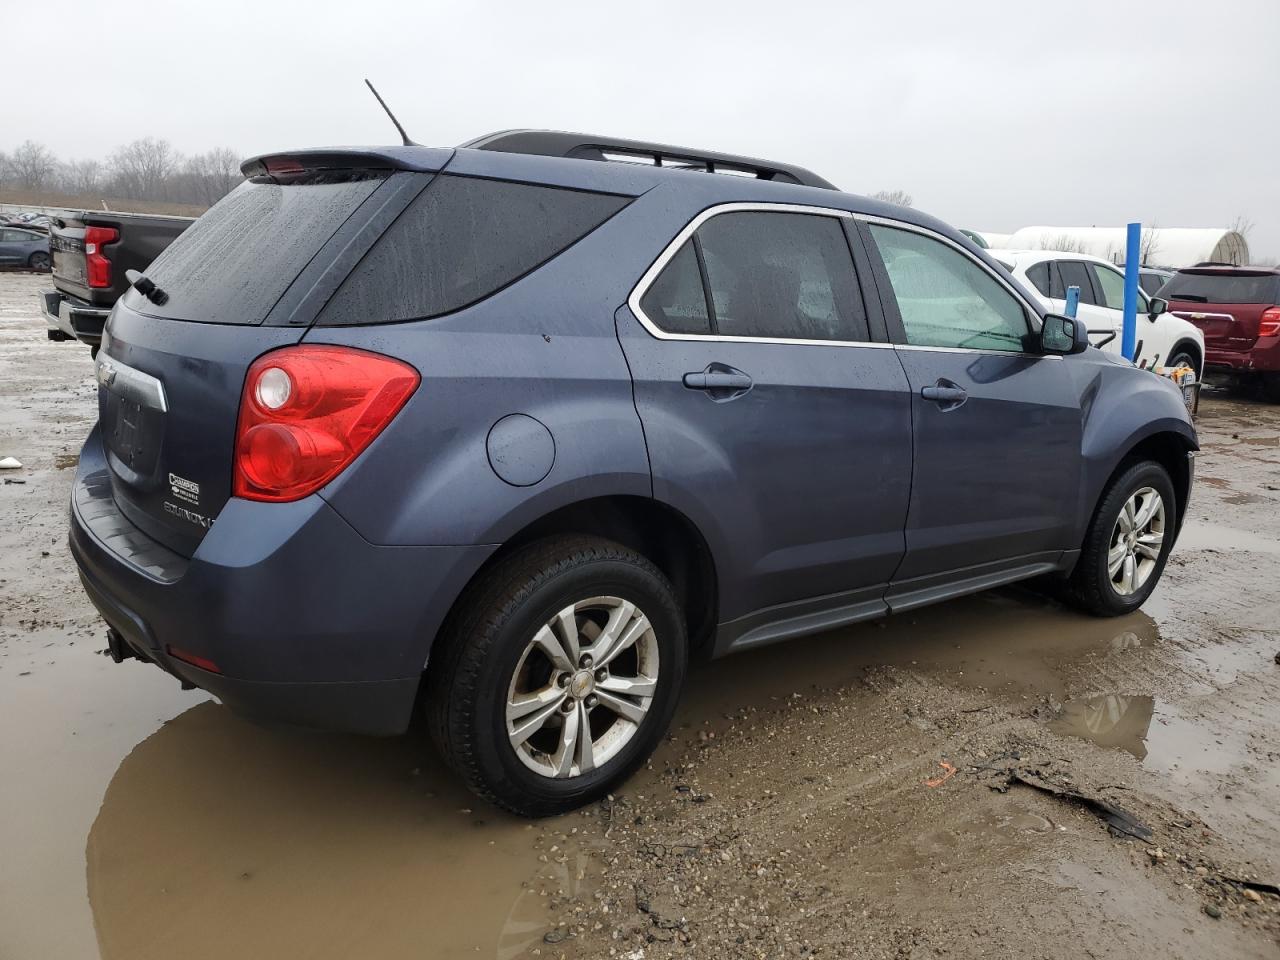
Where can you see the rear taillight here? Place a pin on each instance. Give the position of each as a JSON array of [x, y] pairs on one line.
[[1269, 325], [97, 266], [307, 412]]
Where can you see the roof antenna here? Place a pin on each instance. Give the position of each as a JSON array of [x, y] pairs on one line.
[[382, 103]]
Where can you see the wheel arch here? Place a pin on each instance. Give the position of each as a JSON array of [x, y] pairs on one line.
[[1193, 348], [650, 527], [1173, 452]]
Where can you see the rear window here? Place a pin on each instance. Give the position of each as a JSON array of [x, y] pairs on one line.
[[1222, 288], [233, 264], [461, 240]]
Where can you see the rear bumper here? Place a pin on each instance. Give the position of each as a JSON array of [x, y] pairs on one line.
[[1262, 357], [73, 318], [308, 623]]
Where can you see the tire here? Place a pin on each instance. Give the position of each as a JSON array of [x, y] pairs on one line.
[[38, 261], [1093, 587], [1181, 355], [486, 660]]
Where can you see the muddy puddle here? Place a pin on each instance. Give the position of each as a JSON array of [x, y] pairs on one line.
[[151, 823]]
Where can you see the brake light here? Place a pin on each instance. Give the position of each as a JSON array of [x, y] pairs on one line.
[[1269, 325], [307, 412], [97, 266]]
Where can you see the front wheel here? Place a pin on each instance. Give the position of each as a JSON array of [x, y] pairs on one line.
[[558, 676], [1128, 542]]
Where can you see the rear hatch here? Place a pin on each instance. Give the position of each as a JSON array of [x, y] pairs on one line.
[[240, 282], [1226, 304]]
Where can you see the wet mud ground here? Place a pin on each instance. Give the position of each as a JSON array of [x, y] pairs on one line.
[[852, 795]]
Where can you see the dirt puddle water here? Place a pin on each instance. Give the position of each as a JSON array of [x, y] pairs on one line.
[[208, 836]]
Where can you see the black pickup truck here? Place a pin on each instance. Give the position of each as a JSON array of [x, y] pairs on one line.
[[91, 252]]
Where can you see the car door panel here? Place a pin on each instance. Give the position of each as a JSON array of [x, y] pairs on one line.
[[799, 482], [995, 476]]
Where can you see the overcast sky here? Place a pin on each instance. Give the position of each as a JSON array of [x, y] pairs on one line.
[[992, 115]]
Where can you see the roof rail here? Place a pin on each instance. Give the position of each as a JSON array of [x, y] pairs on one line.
[[583, 146]]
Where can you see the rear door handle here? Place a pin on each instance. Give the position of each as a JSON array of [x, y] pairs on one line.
[[945, 394], [717, 380]]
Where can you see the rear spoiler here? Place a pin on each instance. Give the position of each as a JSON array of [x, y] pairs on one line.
[[419, 159]]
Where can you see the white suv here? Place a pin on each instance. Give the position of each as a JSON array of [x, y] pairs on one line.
[[1162, 339]]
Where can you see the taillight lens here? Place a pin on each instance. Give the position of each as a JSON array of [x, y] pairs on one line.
[[97, 266], [1269, 325], [307, 412]]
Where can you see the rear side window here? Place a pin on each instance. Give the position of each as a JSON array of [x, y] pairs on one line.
[[676, 300], [459, 241], [776, 276], [233, 264], [1223, 288], [1039, 277], [781, 275], [1071, 273]]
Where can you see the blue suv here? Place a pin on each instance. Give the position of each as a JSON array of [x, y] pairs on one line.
[[506, 434]]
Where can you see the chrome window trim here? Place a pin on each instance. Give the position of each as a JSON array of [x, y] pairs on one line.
[[672, 248]]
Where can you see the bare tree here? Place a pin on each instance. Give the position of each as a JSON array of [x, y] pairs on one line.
[[208, 177], [1242, 225], [900, 197], [1150, 244], [142, 169], [81, 176], [32, 165]]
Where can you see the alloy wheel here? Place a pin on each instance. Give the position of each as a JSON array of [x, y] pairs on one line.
[[582, 687], [1136, 542]]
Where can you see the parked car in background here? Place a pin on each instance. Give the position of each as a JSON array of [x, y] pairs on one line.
[[510, 431], [20, 247], [1151, 279], [1162, 339], [91, 251], [1238, 310]]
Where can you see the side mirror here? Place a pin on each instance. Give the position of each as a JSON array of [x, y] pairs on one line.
[[1063, 335], [1156, 306]]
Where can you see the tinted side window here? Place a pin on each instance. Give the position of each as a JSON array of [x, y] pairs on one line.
[[676, 301], [461, 240], [781, 275], [947, 300], [1071, 273], [1039, 277]]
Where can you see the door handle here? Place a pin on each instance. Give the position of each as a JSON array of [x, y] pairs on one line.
[[945, 394], [718, 380]]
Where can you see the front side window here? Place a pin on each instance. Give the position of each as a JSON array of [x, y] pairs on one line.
[[947, 300], [1111, 287], [778, 276]]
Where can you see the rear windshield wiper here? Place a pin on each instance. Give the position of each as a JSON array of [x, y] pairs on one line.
[[146, 287]]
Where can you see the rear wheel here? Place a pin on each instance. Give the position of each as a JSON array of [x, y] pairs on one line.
[[1128, 542], [558, 676], [38, 261], [1182, 357]]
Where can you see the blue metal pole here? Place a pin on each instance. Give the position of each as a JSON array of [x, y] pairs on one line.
[[1132, 256], [1073, 301]]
